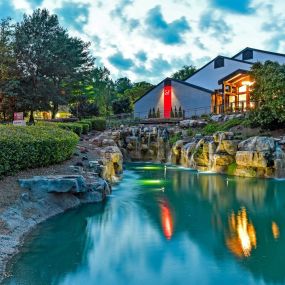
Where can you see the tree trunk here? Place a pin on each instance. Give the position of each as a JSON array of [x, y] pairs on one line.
[[32, 120], [54, 110]]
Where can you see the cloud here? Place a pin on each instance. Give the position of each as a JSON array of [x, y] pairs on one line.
[[168, 33], [235, 6], [119, 12], [74, 15], [120, 62], [8, 10], [215, 25], [142, 56]]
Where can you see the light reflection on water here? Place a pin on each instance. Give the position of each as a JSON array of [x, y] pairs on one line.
[[188, 228]]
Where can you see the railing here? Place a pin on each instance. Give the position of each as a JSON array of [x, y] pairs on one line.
[[234, 107]]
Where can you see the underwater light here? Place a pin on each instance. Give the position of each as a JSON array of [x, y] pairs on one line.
[[151, 181], [148, 167]]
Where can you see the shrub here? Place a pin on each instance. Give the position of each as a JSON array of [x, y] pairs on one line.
[[223, 127], [98, 124], [74, 127], [174, 138], [85, 127], [211, 128], [35, 146]]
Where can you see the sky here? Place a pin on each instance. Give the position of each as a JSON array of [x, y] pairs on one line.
[[148, 40]]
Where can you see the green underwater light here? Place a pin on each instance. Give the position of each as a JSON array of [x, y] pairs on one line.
[[151, 181], [149, 167]]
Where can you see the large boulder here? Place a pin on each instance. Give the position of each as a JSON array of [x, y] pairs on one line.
[[257, 143], [55, 183], [252, 159], [223, 159]]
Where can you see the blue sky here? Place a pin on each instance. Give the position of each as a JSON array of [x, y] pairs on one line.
[[150, 39]]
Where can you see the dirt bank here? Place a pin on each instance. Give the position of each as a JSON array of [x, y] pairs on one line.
[[22, 209]]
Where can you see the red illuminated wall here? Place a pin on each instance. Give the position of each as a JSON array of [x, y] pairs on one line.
[[167, 101]]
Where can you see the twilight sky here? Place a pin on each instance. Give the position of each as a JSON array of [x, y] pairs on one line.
[[150, 39]]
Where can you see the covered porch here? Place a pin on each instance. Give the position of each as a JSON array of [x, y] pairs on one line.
[[234, 95]]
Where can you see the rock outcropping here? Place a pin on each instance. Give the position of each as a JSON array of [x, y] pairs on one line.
[[255, 157]]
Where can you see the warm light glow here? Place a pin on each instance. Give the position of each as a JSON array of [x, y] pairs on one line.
[[247, 83], [275, 230], [167, 221], [242, 234]]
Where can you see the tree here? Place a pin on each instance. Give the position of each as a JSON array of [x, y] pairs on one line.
[[122, 84], [121, 106], [84, 108], [50, 62], [137, 90], [268, 94], [185, 72], [8, 69]]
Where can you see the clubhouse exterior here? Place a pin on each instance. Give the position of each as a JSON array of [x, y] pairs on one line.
[[221, 85]]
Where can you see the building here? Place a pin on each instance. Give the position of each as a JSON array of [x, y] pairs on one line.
[[221, 85], [170, 96]]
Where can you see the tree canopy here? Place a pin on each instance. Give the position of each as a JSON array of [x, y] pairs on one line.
[[185, 72], [268, 94]]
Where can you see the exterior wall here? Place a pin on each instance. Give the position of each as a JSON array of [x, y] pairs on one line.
[[263, 56], [209, 76], [154, 99], [192, 100]]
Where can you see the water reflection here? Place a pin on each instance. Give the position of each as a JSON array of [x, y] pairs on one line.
[[242, 236], [166, 219], [275, 230], [177, 227]]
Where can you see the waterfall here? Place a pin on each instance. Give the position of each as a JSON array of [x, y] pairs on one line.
[[211, 155]]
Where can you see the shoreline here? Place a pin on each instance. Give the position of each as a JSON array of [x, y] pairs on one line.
[[23, 209]]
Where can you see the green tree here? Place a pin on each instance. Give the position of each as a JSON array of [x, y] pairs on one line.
[[121, 106], [185, 72], [8, 69], [50, 61], [123, 84], [268, 94], [137, 90]]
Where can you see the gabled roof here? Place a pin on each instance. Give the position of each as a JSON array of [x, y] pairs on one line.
[[238, 71], [178, 81], [229, 58], [259, 50]]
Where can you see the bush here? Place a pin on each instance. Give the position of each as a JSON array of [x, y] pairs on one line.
[[35, 146], [85, 127], [98, 124], [211, 128], [222, 127], [74, 127]]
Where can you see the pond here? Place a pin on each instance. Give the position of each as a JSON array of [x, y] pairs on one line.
[[163, 225]]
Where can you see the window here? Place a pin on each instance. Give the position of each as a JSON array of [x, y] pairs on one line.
[[248, 54], [219, 62]]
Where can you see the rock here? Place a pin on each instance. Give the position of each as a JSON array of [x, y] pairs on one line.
[[217, 118], [184, 124], [228, 146], [223, 159], [144, 147], [108, 142], [55, 184], [257, 144], [252, 159], [219, 136]]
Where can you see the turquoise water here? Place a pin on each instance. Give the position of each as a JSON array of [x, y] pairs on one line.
[[163, 226]]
